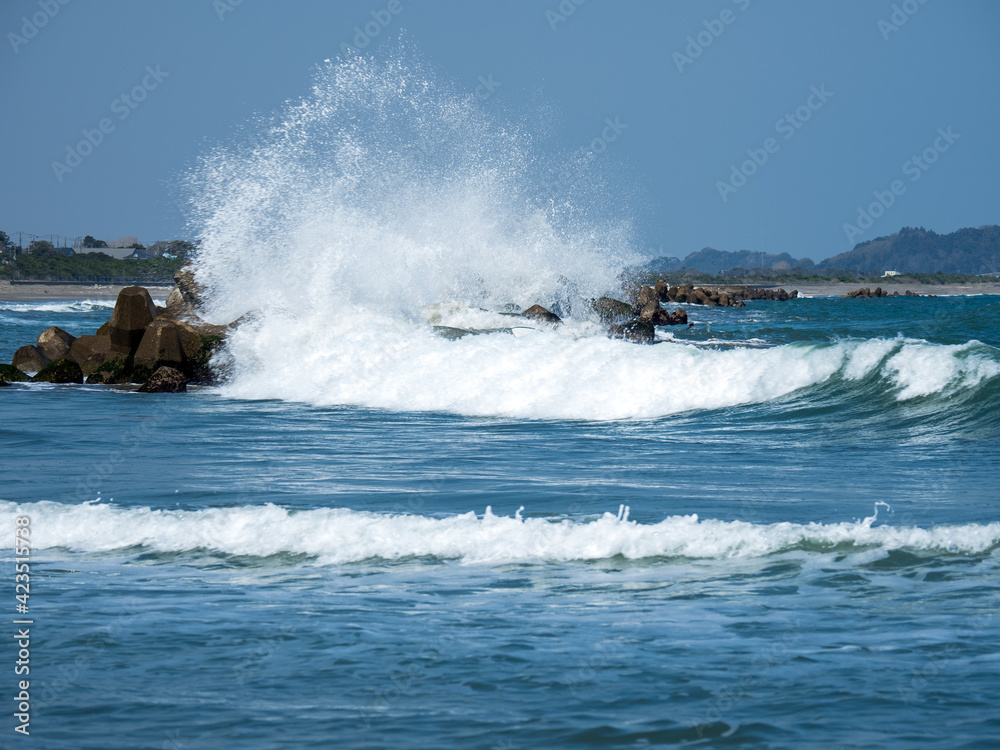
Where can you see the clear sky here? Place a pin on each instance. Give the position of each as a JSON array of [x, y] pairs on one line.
[[817, 105]]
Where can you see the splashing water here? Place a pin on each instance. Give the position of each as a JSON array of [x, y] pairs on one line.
[[385, 190], [384, 203]]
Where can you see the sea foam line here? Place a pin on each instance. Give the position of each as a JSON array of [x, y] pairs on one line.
[[340, 535]]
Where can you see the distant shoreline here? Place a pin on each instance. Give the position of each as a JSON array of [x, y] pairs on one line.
[[64, 292], [68, 292], [837, 288]]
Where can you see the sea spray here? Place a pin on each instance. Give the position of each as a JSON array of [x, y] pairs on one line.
[[385, 203], [386, 190]]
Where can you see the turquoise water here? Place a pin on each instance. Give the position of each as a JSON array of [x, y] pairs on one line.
[[787, 535]]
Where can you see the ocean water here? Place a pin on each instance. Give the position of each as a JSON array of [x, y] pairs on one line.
[[812, 562], [777, 529]]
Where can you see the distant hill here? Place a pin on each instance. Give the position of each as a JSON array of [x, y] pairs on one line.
[[971, 251], [710, 260]]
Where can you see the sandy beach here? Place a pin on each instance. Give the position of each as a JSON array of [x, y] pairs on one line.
[[35, 292], [63, 292], [836, 289]]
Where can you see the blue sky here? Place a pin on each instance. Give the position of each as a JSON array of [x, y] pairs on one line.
[[743, 124]]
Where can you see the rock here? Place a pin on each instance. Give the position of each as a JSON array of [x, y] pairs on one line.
[[29, 359], [175, 298], [700, 297], [190, 290], [190, 338], [11, 374], [160, 347], [115, 369], [165, 380], [90, 352], [134, 310], [611, 310], [731, 296], [654, 314], [105, 330], [453, 334], [199, 342], [61, 371], [54, 343], [639, 331], [537, 312], [866, 293], [646, 295], [177, 308], [3, 383]]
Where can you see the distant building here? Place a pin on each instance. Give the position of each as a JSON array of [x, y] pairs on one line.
[[65, 250], [889, 273], [114, 252]]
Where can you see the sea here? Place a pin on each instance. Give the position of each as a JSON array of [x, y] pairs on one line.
[[778, 528]]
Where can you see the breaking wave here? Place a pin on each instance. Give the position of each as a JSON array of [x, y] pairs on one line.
[[338, 535], [385, 203]]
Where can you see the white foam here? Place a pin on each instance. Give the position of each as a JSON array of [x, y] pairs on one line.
[[74, 306], [385, 203], [338, 535], [563, 373], [921, 369]]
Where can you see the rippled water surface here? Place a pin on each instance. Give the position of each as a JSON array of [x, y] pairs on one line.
[[814, 563]]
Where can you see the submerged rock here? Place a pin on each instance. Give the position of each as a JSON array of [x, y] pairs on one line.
[[165, 380], [61, 371], [611, 311], [639, 331], [453, 334], [12, 374], [537, 312]]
